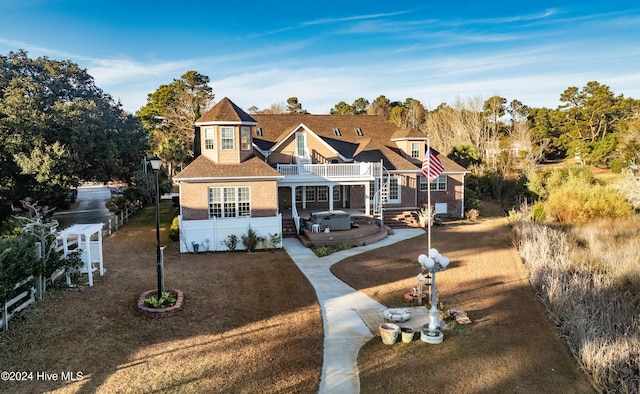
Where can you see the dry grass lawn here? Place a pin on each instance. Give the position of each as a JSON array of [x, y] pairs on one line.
[[512, 345], [252, 324]]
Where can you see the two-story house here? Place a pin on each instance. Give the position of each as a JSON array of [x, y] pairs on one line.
[[255, 169]]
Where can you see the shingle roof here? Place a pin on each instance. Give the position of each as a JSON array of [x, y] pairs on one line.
[[225, 111], [204, 168], [373, 145]]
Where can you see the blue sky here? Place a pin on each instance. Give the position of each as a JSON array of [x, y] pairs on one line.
[[258, 53]]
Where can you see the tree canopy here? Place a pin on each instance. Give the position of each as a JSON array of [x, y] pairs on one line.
[[171, 112], [58, 128]]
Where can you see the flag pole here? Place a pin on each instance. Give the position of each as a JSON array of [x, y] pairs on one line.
[[429, 194]]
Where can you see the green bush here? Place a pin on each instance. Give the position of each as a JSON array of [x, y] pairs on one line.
[[322, 251], [166, 300], [616, 166], [471, 199], [174, 230], [17, 262], [251, 240], [538, 212], [345, 245]]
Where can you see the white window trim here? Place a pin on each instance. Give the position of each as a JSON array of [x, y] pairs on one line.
[[236, 192], [438, 185], [209, 135], [245, 131], [411, 144], [313, 193], [304, 143], [232, 139], [389, 201], [319, 191], [337, 192], [399, 183]]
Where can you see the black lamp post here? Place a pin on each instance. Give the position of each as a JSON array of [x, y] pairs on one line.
[[155, 164]]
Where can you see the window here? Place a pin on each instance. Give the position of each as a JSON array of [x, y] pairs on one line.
[[336, 193], [298, 194], [323, 193], [310, 193], [209, 138], [245, 138], [301, 145], [259, 131], [229, 202], [394, 189], [226, 134], [336, 131], [359, 131], [415, 150], [439, 184]]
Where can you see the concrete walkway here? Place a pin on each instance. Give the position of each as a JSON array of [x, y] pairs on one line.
[[344, 330]]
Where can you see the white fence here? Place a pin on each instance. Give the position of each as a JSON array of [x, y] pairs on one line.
[[210, 234], [33, 290], [38, 285]]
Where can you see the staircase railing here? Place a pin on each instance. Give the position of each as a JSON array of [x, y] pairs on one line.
[[296, 217], [382, 194]]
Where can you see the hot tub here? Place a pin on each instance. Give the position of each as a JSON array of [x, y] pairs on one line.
[[335, 220]]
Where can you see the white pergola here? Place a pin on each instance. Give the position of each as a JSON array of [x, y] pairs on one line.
[[87, 238]]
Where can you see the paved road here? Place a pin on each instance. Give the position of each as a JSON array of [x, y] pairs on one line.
[[88, 208]]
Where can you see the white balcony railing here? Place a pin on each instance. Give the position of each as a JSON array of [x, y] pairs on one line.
[[341, 171]]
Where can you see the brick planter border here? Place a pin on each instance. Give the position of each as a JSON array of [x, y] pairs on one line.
[[160, 311]]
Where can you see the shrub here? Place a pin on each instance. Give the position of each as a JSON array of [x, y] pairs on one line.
[[231, 242], [166, 300], [17, 262], [538, 212], [472, 214], [322, 251], [581, 203], [471, 199], [174, 230], [345, 245], [251, 239], [616, 166]]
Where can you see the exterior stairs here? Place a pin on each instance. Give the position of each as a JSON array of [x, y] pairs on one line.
[[399, 218], [288, 228]]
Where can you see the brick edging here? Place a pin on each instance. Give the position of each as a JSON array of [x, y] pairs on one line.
[[161, 311]]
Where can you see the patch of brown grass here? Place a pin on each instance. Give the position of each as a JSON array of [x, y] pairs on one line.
[[251, 323], [512, 345]]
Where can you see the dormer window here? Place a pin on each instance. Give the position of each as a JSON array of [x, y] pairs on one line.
[[415, 150], [336, 131], [359, 131]]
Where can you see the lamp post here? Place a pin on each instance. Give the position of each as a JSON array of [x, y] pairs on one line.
[[433, 263], [155, 165]]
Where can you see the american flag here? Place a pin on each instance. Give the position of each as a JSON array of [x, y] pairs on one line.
[[431, 166]]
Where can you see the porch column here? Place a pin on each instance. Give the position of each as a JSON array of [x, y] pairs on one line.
[[304, 197], [367, 198], [293, 198], [331, 197]]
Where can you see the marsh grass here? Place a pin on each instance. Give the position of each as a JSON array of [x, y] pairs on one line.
[[589, 280]]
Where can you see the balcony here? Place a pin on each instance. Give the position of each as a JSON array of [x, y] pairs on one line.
[[337, 172]]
